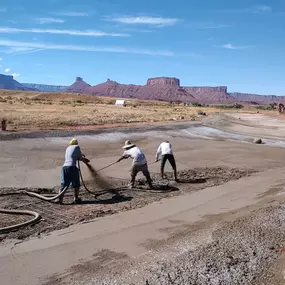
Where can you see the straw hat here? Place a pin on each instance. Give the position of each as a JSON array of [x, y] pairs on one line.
[[128, 144]]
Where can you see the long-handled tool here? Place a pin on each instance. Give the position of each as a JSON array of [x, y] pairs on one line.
[[107, 166]]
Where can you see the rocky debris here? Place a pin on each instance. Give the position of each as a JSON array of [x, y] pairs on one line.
[[201, 113], [258, 141], [237, 252]]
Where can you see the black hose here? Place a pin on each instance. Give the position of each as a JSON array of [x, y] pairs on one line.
[[83, 183]]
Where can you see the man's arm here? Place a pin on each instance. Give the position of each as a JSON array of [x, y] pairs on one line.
[[124, 156], [82, 157], [158, 153]]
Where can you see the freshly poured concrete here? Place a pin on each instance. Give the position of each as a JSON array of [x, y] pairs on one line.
[[37, 163]]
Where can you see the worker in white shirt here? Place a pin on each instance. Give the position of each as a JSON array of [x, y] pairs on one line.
[[165, 152], [139, 163]]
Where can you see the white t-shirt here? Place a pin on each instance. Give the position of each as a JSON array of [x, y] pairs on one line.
[[164, 148], [136, 154], [72, 154]]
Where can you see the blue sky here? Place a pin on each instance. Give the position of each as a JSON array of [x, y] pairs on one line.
[[240, 44]]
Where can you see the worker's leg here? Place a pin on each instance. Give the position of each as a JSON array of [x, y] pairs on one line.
[[75, 183], [65, 182], [144, 169], [134, 172], [163, 161], [173, 164]]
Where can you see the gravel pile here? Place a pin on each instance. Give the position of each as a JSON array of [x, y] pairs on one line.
[[237, 252]]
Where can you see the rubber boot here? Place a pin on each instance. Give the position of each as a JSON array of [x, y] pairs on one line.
[[175, 175], [60, 199], [76, 199], [149, 181]]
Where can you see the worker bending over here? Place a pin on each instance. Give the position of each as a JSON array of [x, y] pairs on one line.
[[139, 162], [70, 172], [165, 151]]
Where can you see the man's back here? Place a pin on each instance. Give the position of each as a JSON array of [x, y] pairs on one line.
[[72, 154], [165, 148], [136, 154]]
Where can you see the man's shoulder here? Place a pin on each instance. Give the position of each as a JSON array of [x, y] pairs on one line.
[[74, 148]]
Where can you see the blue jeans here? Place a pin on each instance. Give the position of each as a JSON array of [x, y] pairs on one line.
[[70, 175]]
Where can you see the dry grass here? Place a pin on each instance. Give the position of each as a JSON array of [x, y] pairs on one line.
[[32, 110]]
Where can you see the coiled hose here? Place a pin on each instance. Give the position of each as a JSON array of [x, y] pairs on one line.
[[36, 216]]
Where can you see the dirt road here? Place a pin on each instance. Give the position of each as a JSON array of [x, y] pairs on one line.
[[224, 234]]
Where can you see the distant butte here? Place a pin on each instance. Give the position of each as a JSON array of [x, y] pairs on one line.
[[157, 88]]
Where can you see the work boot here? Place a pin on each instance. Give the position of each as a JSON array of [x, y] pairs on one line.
[[151, 186], [60, 199], [131, 185], [77, 201]]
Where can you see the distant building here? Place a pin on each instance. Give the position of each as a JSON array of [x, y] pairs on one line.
[[120, 102]]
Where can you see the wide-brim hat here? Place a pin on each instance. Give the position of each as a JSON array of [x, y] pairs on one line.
[[128, 144]]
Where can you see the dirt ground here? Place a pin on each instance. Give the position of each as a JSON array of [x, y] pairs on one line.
[[55, 217], [223, 223], [32, 111]]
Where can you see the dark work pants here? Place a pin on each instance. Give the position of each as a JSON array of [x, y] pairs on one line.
[[171, 160], [144, 169]]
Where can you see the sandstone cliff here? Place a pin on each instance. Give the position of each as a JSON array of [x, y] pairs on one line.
[[79, 86], [210, 95], [165, 81], [160, 89], [44, 87], [261, 99], [8, 82]]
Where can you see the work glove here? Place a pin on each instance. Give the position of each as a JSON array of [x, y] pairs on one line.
[[85, 160]]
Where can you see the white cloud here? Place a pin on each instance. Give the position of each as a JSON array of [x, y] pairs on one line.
[[261, 9], [49, 20], [21, 50], [7, 70], [157, 21], [1, 58], [71, 14], [231, 46], [205, 26], [88, 33], [15, 75], [36, 45]]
